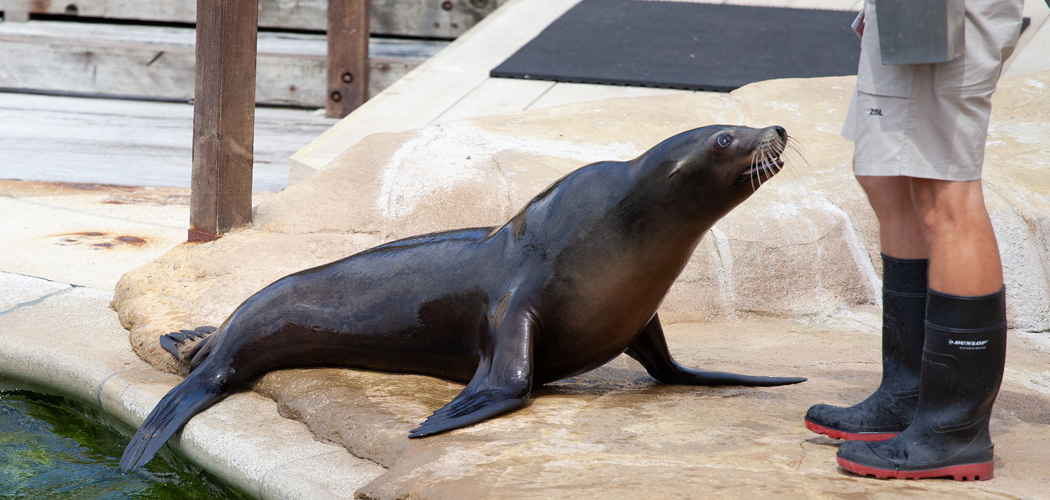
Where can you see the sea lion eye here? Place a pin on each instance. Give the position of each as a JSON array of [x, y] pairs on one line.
[[723, 141]]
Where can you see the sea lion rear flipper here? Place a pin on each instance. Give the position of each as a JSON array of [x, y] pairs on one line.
[[183, 345], [197, 392], [502, 382], [650, 349]]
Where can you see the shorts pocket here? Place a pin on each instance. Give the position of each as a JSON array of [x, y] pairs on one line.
[[992, 29], [976, 72]]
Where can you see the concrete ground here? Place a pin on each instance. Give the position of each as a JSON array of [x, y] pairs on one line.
[[610, 432], [783, 285], [616, 433]]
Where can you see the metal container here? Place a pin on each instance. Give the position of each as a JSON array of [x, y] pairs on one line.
[[920, 31]]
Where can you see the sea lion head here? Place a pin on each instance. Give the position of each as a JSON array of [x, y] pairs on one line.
[[739, 158], [721, 164], [710, 170]]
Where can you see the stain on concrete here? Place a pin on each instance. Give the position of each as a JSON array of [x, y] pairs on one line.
[[99, 240]]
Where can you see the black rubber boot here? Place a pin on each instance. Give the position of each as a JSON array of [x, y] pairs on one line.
[[962, 367], [891, 408]]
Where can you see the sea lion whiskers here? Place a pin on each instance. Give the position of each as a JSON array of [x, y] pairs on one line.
[[751, 168], [765, 160], [791, 152], [794, 148]]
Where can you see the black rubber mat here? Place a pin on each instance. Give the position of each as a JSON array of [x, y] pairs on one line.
[[685, 45]]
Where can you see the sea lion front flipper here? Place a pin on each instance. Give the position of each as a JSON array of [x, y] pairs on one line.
[[501, 383], [650, 349]]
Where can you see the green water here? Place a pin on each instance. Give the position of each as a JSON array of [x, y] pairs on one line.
[[53, 448]]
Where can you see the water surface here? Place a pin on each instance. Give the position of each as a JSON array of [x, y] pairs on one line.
[[52, 447]]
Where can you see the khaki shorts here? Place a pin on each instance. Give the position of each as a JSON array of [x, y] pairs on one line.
[[930, 120]]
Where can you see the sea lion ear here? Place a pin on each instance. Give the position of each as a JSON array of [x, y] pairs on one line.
[[678, 166]]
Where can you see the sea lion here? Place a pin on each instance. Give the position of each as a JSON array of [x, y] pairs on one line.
[[569, 283]]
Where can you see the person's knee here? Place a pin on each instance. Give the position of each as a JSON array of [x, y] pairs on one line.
[[947, 207], [884, 185], [889, 196]]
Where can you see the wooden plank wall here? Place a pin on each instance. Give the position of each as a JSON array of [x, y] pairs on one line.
[[135, 143], [157, 62], [417, 18]]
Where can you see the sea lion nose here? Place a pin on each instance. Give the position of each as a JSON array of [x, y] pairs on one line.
[[780, 131]]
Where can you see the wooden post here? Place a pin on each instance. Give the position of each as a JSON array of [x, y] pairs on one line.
[[347, 56], [223, 117], [17, 13]]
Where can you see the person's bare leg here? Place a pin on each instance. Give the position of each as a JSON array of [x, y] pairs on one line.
[[900, 230], [964, 256]]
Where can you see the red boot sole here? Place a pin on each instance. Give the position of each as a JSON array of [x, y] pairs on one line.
[[849, 436], [968, 472]]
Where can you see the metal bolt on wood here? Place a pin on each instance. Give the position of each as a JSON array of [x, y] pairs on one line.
[[348, 66]]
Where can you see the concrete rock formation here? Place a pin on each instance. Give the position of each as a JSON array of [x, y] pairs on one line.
[[803, 251], [805, 246]]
